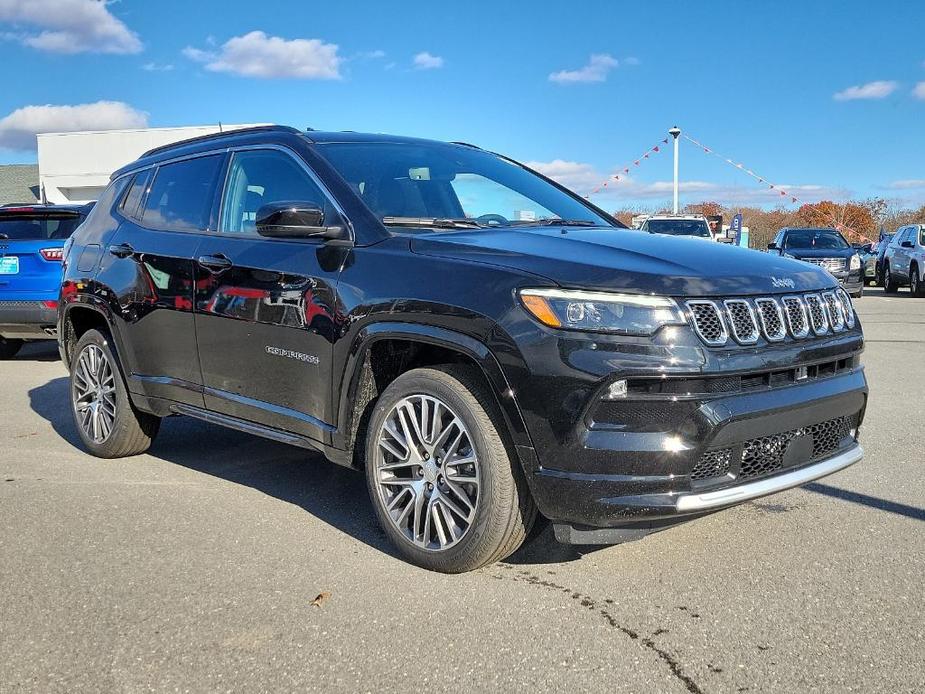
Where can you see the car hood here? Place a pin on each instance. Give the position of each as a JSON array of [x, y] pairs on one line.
[[624, 259], [821, 252]]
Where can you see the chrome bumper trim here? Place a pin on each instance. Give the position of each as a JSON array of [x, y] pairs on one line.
[[752, 490]]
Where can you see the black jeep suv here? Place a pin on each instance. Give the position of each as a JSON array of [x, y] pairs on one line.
[[484, 343]]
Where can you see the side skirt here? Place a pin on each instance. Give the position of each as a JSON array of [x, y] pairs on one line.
[[248, 427]]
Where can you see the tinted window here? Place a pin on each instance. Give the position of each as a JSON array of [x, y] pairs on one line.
[[136, 192], [181, 194], [827, 239], [38, 227], [679, 227], [259, 177]]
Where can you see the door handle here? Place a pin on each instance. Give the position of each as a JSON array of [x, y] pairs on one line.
[[122, 250], [214, 263]]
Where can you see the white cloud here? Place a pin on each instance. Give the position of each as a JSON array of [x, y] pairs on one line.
[[157, 67], [269, 57], [583, 178], [69, 26], [599, 65], [919, 91], [906, 184], [18, 129], [872, 90], [426, 61]]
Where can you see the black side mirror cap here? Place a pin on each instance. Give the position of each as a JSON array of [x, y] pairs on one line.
[[907, 244], [295, 219], [772, 247]]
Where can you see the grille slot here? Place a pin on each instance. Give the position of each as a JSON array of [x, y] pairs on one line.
[[712, 464], [772, 319], [817, 317], [797, 319], [742, 321], [830, 264], [708, 322], [835, 311], [19, 304], [847, 307]]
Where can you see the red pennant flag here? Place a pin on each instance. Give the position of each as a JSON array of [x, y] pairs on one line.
[[645, 156], [665, 141], [605, 184], [793, 199], [616, 178], [760, 180], [655, 149], [784, 193], [706, 149], [626, 170], [636, 162], [771, 186]]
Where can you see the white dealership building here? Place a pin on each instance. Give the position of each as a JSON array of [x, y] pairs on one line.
[[75, 167]]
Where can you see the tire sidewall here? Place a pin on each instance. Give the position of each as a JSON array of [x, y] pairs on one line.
[[492, 463]]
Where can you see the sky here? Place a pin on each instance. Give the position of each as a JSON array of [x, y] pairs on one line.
[[825, 100]]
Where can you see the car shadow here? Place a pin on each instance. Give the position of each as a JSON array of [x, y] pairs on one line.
[[42, 350], [333, 494]]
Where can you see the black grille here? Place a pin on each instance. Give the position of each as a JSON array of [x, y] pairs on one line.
[[796, 316], [772, 320], [708, 322], [767, 454], [19, 304], [816, 312], [712, 464], [742, 320]]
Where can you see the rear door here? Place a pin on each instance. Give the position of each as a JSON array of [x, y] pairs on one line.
[[266, 307], [149, 264], [31, 244]]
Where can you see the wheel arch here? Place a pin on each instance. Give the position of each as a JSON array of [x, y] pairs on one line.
[[383, 351], [78, 318]]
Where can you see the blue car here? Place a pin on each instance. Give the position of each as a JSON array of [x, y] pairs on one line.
[[32, 239]]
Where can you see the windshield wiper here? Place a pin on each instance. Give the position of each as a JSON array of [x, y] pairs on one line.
[[440, 223], [555, 222]]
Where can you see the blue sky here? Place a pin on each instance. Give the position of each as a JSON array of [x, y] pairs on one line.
[[824, 98]]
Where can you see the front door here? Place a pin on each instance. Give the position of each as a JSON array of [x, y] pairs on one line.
[[266, 307]]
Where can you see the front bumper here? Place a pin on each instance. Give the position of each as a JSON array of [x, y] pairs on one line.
[[27, 320]]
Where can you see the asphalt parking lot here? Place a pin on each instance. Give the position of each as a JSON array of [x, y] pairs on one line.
[[194, 568]]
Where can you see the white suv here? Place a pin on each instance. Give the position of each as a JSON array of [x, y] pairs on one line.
[[904, 260], [695, 225]]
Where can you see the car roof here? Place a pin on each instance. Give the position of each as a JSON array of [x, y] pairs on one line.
[[697, 217], [811, 229], [262, 134]]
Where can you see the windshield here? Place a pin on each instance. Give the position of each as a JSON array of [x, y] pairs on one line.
[[409, 184], [827, 239], [37, 227], [679, 227]]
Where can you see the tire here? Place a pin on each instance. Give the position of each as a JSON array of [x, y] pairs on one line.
[[858, 294], [108, 424], [915, 283], [492, 508], [890, 285], [9, 347]]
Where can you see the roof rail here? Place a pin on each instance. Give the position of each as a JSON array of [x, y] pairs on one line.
[[218, 135]]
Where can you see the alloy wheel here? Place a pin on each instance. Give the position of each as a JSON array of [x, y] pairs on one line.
[[94, 393], [427, 472], [914, 283]]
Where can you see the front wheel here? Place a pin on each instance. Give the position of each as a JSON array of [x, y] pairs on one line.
[[890, 285], [9, 347], [108, 423], [915, 284], [444, 485]]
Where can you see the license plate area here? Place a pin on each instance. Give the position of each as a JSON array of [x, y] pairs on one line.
[[9, 265]]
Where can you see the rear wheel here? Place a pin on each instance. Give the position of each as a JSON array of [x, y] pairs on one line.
[[9, 347], [915, 284], [890, 285], [445, 488], [108, 423]]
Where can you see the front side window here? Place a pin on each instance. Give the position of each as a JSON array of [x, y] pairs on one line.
[[403, 182], [260, 177], [181, 194]]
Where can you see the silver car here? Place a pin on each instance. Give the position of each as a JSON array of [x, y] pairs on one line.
[[904, 261]]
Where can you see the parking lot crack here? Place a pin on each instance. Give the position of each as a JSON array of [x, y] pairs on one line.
[[590, 604]]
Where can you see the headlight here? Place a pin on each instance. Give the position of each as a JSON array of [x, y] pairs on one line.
[[855, 262], [624, 314]]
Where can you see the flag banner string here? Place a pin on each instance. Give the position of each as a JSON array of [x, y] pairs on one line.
[[771, 186], [624, 170]]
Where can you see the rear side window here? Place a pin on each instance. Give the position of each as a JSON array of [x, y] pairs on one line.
[[181, 195], [135, 193]]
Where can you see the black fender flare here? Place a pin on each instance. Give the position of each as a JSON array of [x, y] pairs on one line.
[[87, 303], [469, 346]]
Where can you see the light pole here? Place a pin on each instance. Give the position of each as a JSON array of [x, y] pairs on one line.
[[675, 132]]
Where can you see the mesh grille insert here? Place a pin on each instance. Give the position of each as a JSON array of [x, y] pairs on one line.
[[817, 317], [834, 308], [708, 322], [712, 464], [772, 320], [742, 320], [796, 316]]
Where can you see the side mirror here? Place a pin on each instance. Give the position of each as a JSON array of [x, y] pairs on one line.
[[907, 244], [295, 219], [773, 247]]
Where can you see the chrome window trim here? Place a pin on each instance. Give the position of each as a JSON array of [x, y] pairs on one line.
[[780, 316], [732, 325], [719, 316]]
